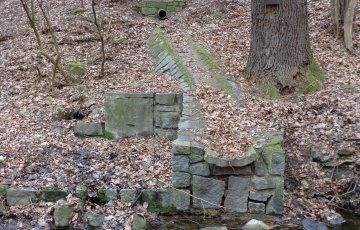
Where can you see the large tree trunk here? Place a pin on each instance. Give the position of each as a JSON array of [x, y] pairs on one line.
[[280, 50]]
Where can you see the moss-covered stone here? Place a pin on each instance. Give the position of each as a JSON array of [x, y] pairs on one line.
[[94, 219], [138, 222], [313, 78], [81, 192], [52, 195], [269, 90], [20, 196], [75, 70], [3, 188], [62, 216]]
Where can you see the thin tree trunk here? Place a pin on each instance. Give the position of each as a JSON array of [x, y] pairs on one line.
[[98, 26], [348, 24], [280, 45]]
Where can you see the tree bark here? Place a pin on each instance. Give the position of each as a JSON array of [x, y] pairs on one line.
[[280, 50]]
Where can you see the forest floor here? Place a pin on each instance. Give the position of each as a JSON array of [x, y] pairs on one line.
[[33, 153]]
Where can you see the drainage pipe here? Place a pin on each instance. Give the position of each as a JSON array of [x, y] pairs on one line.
[[162, 14]]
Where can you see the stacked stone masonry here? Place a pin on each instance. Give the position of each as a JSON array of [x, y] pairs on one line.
[[142, 114], [151, 7]]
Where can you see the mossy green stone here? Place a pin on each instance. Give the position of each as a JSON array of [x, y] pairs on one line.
[[94, 220], [81, 192], [20, 196], [102, 196], [3, 188], [52, 195], [138, 222], [75, 70], [62, 216]]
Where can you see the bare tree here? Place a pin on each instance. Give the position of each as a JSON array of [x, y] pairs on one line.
[[101, 36], [343, 16], [30, 13]]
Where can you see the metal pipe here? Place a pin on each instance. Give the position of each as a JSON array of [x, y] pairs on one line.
[[162, 14]]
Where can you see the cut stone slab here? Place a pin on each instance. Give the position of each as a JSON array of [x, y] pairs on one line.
[[237, 195], [94, 219], [180, 147], [180, 163], [255, 225], [261, 196], [62, 216], [275, 205], [138, 222], [258, 208], [52, 195], [165, 198], [181, 180], [261, 183], [197, 152], [168, 98], [89, 130], [132, 116], [170, 134], [20, 196], [167, 120], [220, 171], [207, 189], [278, 164], [249, 157], [201, 169], [128, 195], [181, 199]]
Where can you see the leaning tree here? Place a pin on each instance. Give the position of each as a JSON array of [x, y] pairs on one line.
[[280, 53]]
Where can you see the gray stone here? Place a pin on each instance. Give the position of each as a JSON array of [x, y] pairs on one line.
[[52, 195], [167, 120], [88, 130], [166, 98], [138, 222], [249, 156], [261, 183], [20, 196], [180, 163], [181, 199], [311, 224], [346, 152], [180, 147], [2, 209], [262, 196], [320, 154], [201, 169], [237, 195], [168, 108], [181, 180], [197, 152], [275, 205], [255, 225], [333, 218], [220, 171], [260, 167], [128, 195], [304, 184], [215, 228], [149, 196], [94, 220], [170, 134], [62, 216], [57, 129], [209, 190], [165, 198], [163, 63], [3, 188], [128, 116], [278, 164], [256, 207], [111, 194], [81, 192]]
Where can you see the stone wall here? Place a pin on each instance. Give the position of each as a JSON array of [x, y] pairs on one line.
[[142, 114], [150, 8], [253, 183]]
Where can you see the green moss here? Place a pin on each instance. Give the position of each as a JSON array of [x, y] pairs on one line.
[[108, 135], [101, 195], [217, 14], [207, 59], [82, 187], [313, 78], [3, 188], [269, 90], [223, 84], [60, 114], [154, 207]]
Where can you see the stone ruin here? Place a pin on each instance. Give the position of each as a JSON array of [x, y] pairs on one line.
[[161, 9]]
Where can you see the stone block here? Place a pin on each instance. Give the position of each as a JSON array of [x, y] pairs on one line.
[[180, 163], [166, 98], [180, 147], [167, 108], [138, 222], [181, 180], [170, 134], [52, 195], [128, 195], [89, 129], [237, 195], [261, 183], [249, 156], [167, 120], [258, 208], [220, 171], [2, 209], [165, 198], [260, 167], [278, 164], [81, 192], [3, 188], [197, 152], [201, 169], [207, 189], [275, 206], [261, 196], [148, 11], [94, 220], [181, 199], [126, 117], [20, 196], [62, 216]]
